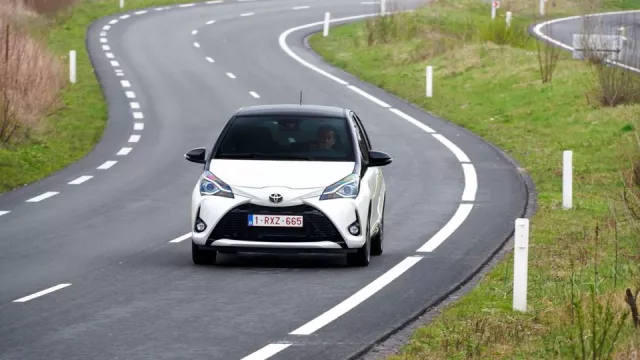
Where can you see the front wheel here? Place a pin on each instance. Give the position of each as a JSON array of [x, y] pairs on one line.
[[202, 257]]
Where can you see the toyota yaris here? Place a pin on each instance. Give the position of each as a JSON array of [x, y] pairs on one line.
[[289, 178]]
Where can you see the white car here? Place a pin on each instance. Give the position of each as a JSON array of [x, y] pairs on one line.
[[289, 178]]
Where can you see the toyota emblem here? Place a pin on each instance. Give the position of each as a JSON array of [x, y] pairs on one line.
[[275, 198]]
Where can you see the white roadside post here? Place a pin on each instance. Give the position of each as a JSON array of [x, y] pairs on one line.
[[542, 7], [494, 5], [520, 264], [72, 66], [429, 89], [326, 24], [383, 7], [509, 15], [121, 4], [567, 179]]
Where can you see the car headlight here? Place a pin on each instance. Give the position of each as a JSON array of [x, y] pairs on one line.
[[211, 185], [346, 188]]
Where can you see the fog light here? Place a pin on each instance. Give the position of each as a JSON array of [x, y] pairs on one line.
[[200, 225], [354, 229]]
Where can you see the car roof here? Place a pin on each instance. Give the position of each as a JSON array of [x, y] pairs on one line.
[[292, 109]]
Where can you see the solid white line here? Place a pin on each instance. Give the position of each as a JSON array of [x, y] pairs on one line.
[[358, 297], [254, 94], [231, 75], [107, 164], [196, 44], [134, 138], [210, 22], [135, 105], [4, 212], [470, 182], [41, 197], [412, 120], [80, 180], [138, 115], [369, 96], [138, 126], [125, 83], [194, 32], [458, 218], [266, 352], [210, 60], [43, 292], [106, 47], [181, 238], [124, 151], [247, 14], [115, 63], [462, 157], [186, 5], [300, 7], [140, 12], [130, 94]]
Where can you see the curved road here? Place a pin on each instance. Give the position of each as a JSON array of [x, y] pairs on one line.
[[104, 239]]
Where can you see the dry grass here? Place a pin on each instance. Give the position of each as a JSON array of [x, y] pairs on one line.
[[30, 76]]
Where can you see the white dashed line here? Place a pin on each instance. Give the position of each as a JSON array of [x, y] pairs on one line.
[[4, 212], [210, 60], [124, 151], [300, 7], [138, 126], [134, 105], [247, 14], [214, 2], [138, 115], [109, 55], [103, 40], [41, 293], [125, 83], [44, 196], [125, 17], [134, 138], [196, 44], [470, 182], [119, 74], [267, 351], [186, 5], [369, 96], [462, 157], [254, 94], [107, 165], [159, 9], [370, 2], [357, 298], [80, 180], [231, 75], [103, 33], [194, 32], [458, 218], [106, 47], [181, 238], [115, 63], [210, 22], [106, 27], [412, 120], [130, 94], [141, 12], [113, 21]]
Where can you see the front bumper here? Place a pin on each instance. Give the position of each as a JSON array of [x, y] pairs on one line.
[[325, 225]]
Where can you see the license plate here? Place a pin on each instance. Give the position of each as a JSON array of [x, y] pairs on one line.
[[275, 220]]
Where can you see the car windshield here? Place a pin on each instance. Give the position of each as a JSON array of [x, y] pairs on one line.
[[287, 138]]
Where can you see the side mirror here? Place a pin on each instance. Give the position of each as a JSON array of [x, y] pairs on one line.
[[196, 155], [379, 158]]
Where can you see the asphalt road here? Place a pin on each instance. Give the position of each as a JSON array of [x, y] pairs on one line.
[[134, 293]]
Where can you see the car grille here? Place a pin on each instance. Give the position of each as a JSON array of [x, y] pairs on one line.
[[316, 226]]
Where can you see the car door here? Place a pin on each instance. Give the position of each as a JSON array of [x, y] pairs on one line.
[[373, 175]]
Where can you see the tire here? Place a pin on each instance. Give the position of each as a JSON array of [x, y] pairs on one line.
[[202, 257], [377, 239], [363, 256]]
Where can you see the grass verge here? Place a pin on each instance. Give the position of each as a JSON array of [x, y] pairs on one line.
[[488, 80], [76, 124]]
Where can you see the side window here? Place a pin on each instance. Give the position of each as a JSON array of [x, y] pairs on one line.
[[361, 141], [362, 130]]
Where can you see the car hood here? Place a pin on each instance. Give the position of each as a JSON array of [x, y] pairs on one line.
[[289, 174]]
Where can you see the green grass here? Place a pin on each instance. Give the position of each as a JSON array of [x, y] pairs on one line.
[[496, 92], [71, 131]]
